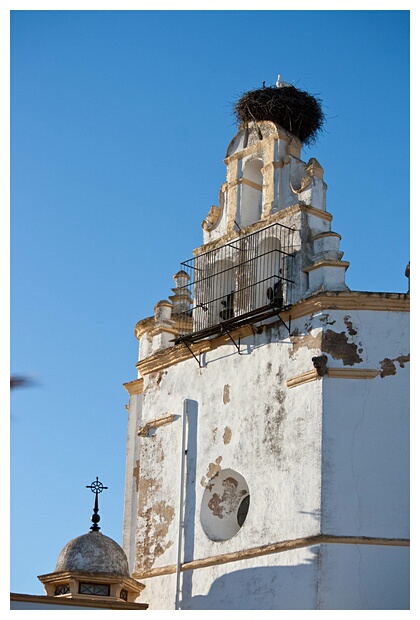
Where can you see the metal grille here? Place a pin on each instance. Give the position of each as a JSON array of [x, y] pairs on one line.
[[96, 589], [244, 281]]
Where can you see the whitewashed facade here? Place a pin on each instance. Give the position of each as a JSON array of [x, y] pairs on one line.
[[268, 452]]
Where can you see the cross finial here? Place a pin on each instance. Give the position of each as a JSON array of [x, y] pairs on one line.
[[96, 487]]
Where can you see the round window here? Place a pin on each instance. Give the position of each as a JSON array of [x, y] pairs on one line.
[[225, 505]]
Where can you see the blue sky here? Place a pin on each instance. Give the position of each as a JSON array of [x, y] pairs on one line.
[[120, 121]]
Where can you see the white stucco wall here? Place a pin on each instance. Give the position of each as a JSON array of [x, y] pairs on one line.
[[366, 455], [329, 456], [246, 420], [364, 577], [325, 577], [278, 581]]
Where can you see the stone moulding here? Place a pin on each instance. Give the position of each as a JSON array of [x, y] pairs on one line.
[[342, 300], [275, 217], [305, 377], [279, 547], [352, 373], [333, 373], [72, 602], [144, 430], [134, 387], [327, 263], [212, 219]]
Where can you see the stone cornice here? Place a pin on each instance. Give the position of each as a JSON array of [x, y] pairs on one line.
[[279, 547], [352, 373], [342, 300], [143, 431], [134, 387], [37, 599], [333, 373], [272, 219], [278, 134], [351, 300], [96, 577], [327, 263], [305, 377], [144, 326]]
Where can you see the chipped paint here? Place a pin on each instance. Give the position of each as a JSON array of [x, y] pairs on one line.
[[227, 502], [388, 365], [214, 468], [307, 341], [325, 319], [349, 325], [338, 346], [226, 394], [227, 435], [158, 518]]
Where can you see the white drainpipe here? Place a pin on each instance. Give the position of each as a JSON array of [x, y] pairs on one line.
[[181, 502]]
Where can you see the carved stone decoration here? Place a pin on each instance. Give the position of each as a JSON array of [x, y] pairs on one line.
[[320, 365], [212, 218], [215, 214], [306, 182]]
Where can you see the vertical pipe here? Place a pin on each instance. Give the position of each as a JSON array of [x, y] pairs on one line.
[[181, 501]]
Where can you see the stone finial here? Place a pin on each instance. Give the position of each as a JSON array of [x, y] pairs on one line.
[[327, 272], [314, 168], [163, 311], [181, 299]]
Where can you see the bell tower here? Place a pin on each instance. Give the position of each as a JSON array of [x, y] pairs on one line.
[[267, 446]]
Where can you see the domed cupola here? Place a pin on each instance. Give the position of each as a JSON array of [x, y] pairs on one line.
[[93, 553], [93, 568]]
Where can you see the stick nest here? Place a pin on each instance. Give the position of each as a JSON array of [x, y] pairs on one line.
[[293, 109]]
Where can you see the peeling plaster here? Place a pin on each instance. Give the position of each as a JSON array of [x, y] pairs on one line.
[[349, 325], [157, 521], [388, 366], [308, 341], [227, 435], [324, 319], [226, 394], [227, 502], [338, 346], [214, 468]]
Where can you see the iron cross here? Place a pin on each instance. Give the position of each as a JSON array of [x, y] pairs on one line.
[[96, 487]]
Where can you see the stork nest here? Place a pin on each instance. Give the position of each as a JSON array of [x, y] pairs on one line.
[[293, 109]]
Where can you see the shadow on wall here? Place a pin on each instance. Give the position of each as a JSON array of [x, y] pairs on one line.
[[266, 587], [272, 587]]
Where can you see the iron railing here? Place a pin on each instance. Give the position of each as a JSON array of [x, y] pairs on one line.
[[243, 281]]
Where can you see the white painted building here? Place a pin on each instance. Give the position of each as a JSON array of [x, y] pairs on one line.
[[268, 428]]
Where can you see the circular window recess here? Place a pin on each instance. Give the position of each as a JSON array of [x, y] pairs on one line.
[[225, 505]]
